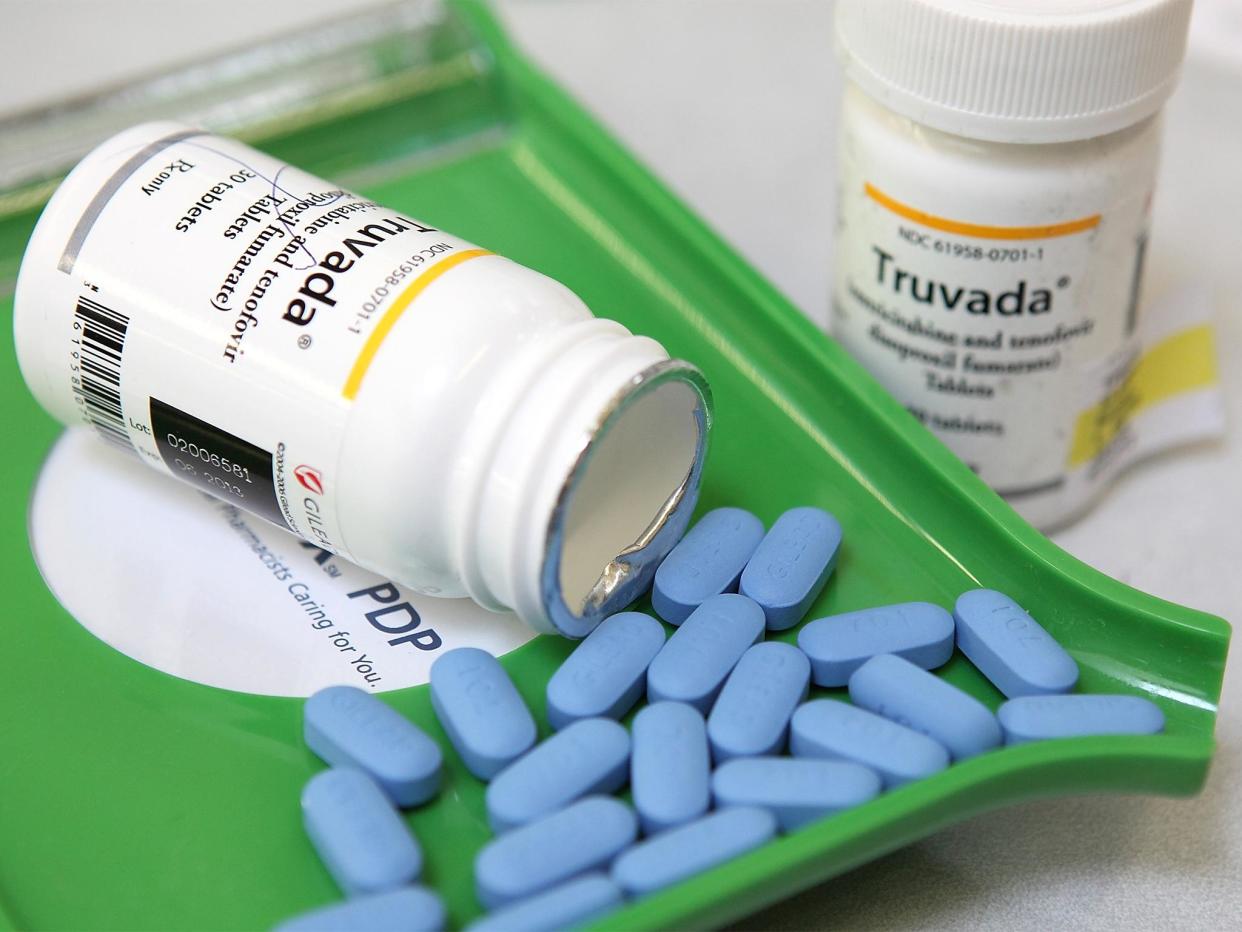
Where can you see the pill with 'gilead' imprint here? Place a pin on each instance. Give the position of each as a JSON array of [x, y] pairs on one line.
[[351, 728], [1010, 647], [588, 757], [792, 564], [567, 906], [1038, 718], [838, 645], [606, 673], [708, 561], [408, 909], [897, 689], [360, 837], [795, 790], [582, 837], [481, 711], [831, 729], [692, 848], [670, 765], [751, 715], [693, 664]]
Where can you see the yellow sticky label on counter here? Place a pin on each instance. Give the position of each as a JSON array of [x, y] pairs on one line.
[[1181, 363]]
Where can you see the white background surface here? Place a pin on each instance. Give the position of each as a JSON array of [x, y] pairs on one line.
[[732, 103]]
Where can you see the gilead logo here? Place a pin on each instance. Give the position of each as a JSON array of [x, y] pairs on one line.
[[310, 478]]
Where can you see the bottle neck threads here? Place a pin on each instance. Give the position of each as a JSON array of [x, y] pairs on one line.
[[590, 472]]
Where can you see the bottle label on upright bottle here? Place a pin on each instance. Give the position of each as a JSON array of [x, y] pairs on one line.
[[266, 293], [1018, 342]]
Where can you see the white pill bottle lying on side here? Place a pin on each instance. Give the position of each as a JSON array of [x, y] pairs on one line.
[[997, 160], [387, 391]]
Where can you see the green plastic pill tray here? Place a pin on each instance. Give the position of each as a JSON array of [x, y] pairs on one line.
[[130, 799]]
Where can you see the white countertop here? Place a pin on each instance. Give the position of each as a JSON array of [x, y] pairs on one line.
[[732, 103]]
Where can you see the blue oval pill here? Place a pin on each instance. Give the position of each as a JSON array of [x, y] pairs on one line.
[[1036, 718], [1010, 647], [409, 909], [590, 756], [693, 663], [690, 849], [605, 674], [670, 765], [580, 838], [832, 729], [708, 561], [795, 790], [360, 838], [792, 564], [751, 716], [909, 695], [839, 644], [567, 906], [481, 711], [351, 728]]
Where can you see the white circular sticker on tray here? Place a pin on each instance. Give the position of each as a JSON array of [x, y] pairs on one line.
[[195, 587]]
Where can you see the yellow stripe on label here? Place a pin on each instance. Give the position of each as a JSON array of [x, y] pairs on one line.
[[393, 314], [980, 230], [1184, 362]]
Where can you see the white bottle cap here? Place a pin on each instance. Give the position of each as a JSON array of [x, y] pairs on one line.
[[1020, 71]]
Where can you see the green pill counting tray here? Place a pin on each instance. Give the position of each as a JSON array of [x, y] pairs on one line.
[[134, 799]]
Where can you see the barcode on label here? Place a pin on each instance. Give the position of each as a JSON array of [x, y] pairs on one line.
[[101, 342]]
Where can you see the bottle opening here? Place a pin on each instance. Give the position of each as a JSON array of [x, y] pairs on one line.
[[630, 498]]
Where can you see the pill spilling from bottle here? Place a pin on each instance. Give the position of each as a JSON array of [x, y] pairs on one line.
[[729, 751]]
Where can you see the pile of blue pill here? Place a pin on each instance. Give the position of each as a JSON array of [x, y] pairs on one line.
[[727, 752]]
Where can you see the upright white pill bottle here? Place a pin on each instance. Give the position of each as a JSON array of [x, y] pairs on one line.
[[997, 160], [385, 390]]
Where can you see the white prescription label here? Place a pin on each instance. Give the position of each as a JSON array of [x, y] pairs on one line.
[[196, 587], [1009, 343], [265, 295]]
